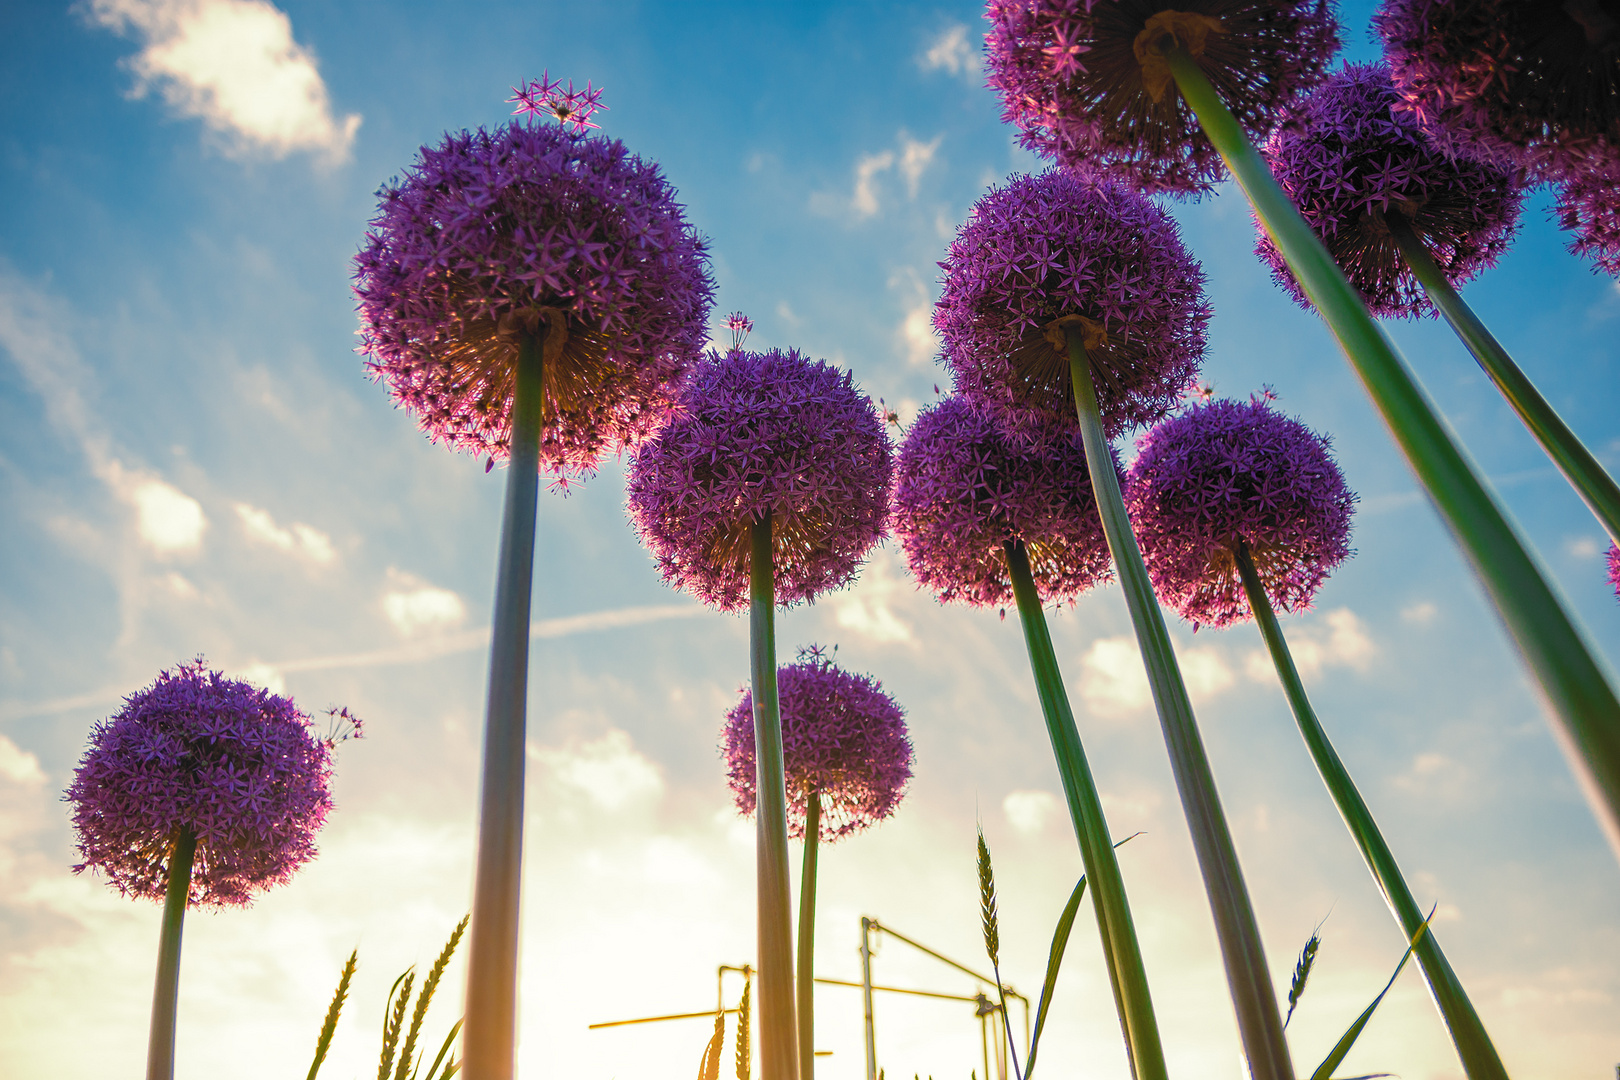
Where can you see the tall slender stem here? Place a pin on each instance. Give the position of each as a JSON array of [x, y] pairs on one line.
[[166, 988], [807, 938], [1247, 976], [489, 1038], [778, 1029], [1574, 687], [1474, 1047], [1589, 479], [1123, 955]]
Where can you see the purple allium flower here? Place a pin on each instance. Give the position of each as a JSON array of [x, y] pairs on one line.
[[1084, 82], [754, 434], [1589, 207], [1614, 569], [532, 230], [1233, 472], [545, 97], [1347, 156], [1055, 245], [842, 737], [963, 489], [241, 767], [740, 326], [1529, 82]]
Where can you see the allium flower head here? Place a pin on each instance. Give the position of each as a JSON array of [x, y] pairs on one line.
[[963, 489], [546, 97], [842, 737], [1589, 207], [239, 766], [1614, 569], [1063, 246], [755, 434], [1085, 82], [1347, 157], [1233, 472], [740, 326], [1534, 83], [532, 230]]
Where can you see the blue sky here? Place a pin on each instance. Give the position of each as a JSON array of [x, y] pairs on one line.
[[192, 461]]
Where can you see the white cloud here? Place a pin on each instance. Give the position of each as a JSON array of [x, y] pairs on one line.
[[864, 608], [910, 157], [914, 159], [1344, 644], [951, 53], [259, 673], [1422, 613], [1584, 547], [918, 340], [299, 539], [18, 765], [610, 772], [1204, 671], [166, 518], [1112, 679], [233, 64], [866, 169], [1029, 811], [414, 605]]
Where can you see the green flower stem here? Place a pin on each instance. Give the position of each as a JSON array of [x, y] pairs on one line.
[[778, 1029], [1120, 948], [1248, 978], [1474, 1047], [489, 1039], [1574, 460], [166, 990], [807, 938], [1574, 687]]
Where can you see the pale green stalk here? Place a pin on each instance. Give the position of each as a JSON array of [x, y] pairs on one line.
[[489, 1039], [1121, 951], [1247, 976], [807, 938], [1589, 479], [1575, 688], [166, 987], [778, 1028]]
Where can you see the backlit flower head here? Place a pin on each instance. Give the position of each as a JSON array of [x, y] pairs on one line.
[[1085, 83], [1348, 157], [546, 97], [1063, 246], [1589, 207], [1614, 569], [241, 767], [1534, 83], [755, 434], [1233, 472], [842, 737], [963, 489], [532, 230]]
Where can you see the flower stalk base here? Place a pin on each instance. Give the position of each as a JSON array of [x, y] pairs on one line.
[[807, 938], [166, 989]]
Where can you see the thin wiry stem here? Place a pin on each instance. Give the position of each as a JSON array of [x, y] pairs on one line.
[[778, 1029], [166, 988], [1575, 688], [1474, 1045], [1247, 976], [489, 1039]]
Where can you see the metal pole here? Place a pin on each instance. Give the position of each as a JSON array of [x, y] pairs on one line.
[[866, 997]]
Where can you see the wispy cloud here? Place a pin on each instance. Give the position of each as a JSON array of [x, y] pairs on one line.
[[414, 606], [952, 53], [298, 539], [234, 65], [909, 157], [1343, 642], [918, 340]]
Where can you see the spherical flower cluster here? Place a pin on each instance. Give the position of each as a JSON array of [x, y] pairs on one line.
[[963, 490], [1614, 569], [1230, 473], [532, 230], [1060, 244], [756, 434], [1589, 207], [240, 767], [1348, 159], [1529, 82], [842, 738], [1086, 82]]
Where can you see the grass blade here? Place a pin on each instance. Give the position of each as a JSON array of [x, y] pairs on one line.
[[1348, 1039], [425, 997], [1054, 960], [451, 1068], [324, 1043]]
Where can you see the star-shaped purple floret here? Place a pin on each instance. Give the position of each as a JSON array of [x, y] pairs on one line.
[[1348, 157], [1069, 78], [1058, 244], [963, 489], [842, 737], [755, 434], [239, 766], [493, 234], [1614, 569], [1233, 472]]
